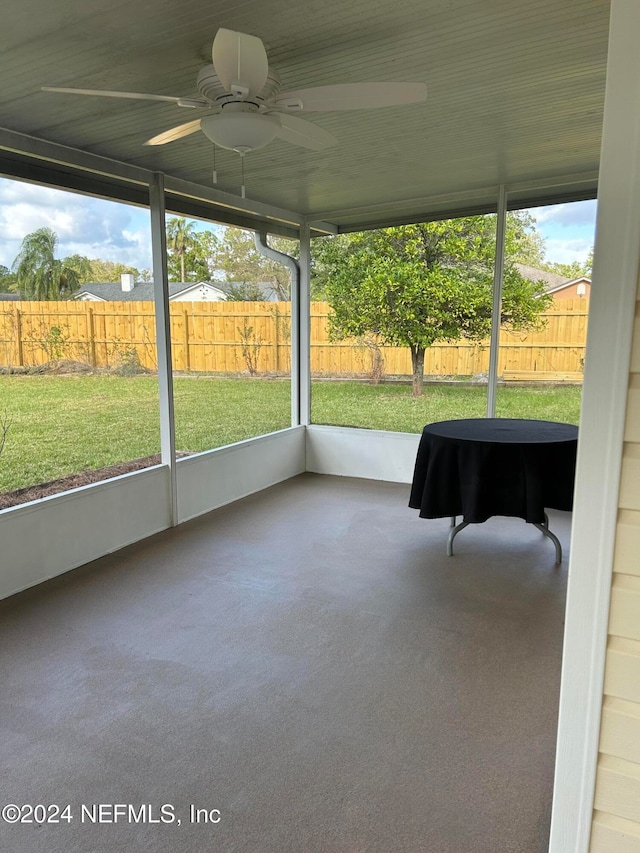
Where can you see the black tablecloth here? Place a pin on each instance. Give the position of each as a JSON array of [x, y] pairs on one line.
[[481, 467]]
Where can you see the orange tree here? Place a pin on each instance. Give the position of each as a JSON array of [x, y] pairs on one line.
[[414, 285]]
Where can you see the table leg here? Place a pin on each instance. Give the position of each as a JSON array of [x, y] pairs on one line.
[[452, 535], [544, 528]]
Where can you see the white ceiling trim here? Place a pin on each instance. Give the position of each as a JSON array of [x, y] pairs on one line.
[[209, 202], [550, 190]]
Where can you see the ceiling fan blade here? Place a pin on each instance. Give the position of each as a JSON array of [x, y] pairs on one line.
[[175, 133], [304, 133], [138, 96], [351, 96], [240, 61]]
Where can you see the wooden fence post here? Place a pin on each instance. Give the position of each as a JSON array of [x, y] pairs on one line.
[[19, 337], [276, 342], [187, 357], [92, 337]]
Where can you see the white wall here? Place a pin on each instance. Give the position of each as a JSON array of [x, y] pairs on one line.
[[50, 536], [368, 453], [210, 480]]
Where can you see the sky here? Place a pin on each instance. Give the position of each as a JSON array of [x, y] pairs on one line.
[[568, 230], [121, 233], [85, 226]]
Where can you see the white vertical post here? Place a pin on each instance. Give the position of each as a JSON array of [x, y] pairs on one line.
[[295, 350], [304, 314], [616, 261], [497, 302], [163, 334]]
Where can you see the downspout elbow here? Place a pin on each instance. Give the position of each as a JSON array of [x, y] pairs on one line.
[[260, 239]]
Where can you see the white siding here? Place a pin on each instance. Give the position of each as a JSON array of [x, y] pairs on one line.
[[201, 293], [616, 823]]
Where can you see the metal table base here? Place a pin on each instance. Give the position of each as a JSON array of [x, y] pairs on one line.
[[543, 528]]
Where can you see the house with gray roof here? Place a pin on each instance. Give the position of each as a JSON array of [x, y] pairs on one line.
[[129, 290], [559, 286]]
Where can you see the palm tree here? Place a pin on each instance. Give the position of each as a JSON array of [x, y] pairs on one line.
[[180, 238], [39, 274]]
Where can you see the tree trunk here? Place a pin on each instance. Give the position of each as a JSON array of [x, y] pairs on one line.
[[417, 365], [182, 266]]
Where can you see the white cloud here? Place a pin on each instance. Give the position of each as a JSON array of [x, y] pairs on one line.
[[577, 213], [19, 219], [567, 251], [84, 225], [568, 230]]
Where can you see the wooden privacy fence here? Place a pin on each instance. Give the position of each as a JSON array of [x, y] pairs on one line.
[[556, 349], [254, 337]]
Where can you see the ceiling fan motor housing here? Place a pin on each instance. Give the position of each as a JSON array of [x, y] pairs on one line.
[[210, 87]]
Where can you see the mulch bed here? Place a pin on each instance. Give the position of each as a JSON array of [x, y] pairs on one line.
[[43, 490], [70, 367]]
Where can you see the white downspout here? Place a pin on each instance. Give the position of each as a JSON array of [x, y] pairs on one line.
[[497, 303], [163, 335], [294, 268]]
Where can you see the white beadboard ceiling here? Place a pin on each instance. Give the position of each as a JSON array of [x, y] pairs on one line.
[[516, 92]]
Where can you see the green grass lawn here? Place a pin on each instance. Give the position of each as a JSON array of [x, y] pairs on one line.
[[61, 425], [392, 407]]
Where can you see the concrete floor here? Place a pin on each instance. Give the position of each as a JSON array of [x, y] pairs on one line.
[[308, 662]]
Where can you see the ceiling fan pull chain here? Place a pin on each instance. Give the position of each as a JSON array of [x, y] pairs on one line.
[[215, 173], [242, 193]]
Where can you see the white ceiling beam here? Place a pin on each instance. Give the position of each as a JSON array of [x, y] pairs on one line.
[[427, 207], [63, 155], [424, 202], [317, 228], [577, 180], [199, 193], [43, 152]]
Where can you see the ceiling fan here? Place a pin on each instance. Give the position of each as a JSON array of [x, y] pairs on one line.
[[249, 108]]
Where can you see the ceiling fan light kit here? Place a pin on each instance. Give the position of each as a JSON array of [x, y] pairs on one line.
[[240, 131]]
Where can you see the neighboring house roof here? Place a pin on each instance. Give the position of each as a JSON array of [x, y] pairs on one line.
[[196, 291], [9, 297], [551, 280], [583, 279], [143, 290]]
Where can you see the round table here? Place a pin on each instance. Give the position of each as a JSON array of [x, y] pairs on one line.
[[481, 467]]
